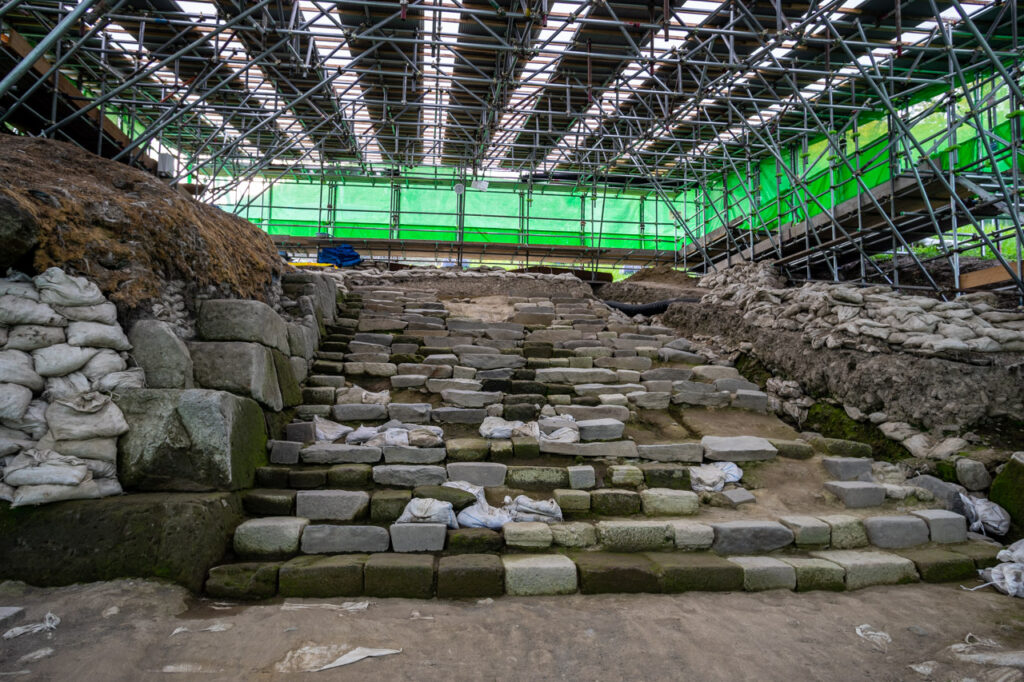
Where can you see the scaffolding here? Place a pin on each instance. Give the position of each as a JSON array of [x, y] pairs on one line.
[[833, 137]]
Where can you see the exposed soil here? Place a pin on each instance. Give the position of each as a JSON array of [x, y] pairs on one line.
[[486, 308], [659, 283], [939, 269], [125, 229], [123, 631]]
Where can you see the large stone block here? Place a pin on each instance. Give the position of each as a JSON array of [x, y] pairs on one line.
[[409, 475], [488, 474], [405, 454], [691, 571], [944, 526], [871, 568], [148, 535], [848, 468], [584, 412], [340, 453], [737, 448], [399, 575], [600, 429], [750, 537], [322, 577], [329, 539], [192, 439], [857, 494], [161, 354], [269, 537], [668, 502], [609, 502], [331, 505], [635, 536], [846, 532], [816, 574], [246, 369], [353, 412], [535, 574], [896, 532], [808, 531], [244, 581], [470, 576], [1008, 488], [242, 320], [765, 573], [418, 537], [602, 572], [672, 452], [939, 565]]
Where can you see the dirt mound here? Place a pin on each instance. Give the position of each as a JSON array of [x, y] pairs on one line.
[[659, 283], [121, 227]]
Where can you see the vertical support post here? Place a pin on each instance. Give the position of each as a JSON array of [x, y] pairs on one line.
[[460, 219]]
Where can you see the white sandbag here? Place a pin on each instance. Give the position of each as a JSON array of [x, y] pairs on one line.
[[34, 495], [396, 437], [483, 515], [14, 401], [100, 469], [9, 287], [34, 421], [350, 395], [551, 424], [105, 362], [120, 381], [18, 310], [731, 471], [707, 478], [3, 335], [524, 509], [17, 367], [527, 430], [58, 288], [476, 490], [330, 431], [97, 335], [104, 313], [65, 387], [56, 361], [1007, 578], [28, 337], [90, 415], [44, 467], [427, 510], [6, 492], [361, 435], [378, 398], [103, 449], [562, 435], [12, 434], [10, 446], [425, 437], [1013, 554], [108, 486], [496, 427], [985, 516]]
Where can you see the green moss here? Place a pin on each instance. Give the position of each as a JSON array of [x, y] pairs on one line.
[[833, 422], [1008, 490], [753, 369], [946, 470]]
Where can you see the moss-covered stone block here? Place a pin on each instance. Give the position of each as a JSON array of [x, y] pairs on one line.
[[692, 571], [523, 412], [604, 572], [268, 502], [474, 541], [387, 505], [460, 499], [525, 447], [983, 554], [291, 392], [846, 448], [272, 477], [399, 575], [322, 576], [817, 574], [833, 422], [501, 451], [307, 478], [349, 476], [467, 449], [939, 565], [1008, 489], [946, 470], [174, 536], [608, 502], [792, 449], [470, 576], [247, 581], [666, 475]]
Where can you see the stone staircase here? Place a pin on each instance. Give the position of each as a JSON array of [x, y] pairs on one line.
[[323, 515]]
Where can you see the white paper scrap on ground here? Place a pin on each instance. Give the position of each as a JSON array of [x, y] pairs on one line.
[[358, 654]]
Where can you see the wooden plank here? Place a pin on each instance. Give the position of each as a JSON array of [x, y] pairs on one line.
[[992, 275]]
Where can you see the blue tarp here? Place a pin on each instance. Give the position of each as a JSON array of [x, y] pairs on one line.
[[344, 256]]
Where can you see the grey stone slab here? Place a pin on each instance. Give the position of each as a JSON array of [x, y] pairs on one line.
[[808, 531], [765, 573], [896, 532], [458, 415], [756, 401], [488, 361], [272, 536], [487, 474], [405, 454], [461, 398], [616, 448], [242, 320], [409, 413], [284, 451], [418, 537], [732, 385], [848, 468], [600, 429], [353, 412], [750, 537], [857, 494], [331, 539], [672, 452], [408, 475], [441, 385], [737, 448], [537, 574], [242, 368], [667, 374], [635, 536], [733, 497], [340, 453], [584, 413], [331, 505], [161, 354], [581, 477], [943, 526], [864, 569]]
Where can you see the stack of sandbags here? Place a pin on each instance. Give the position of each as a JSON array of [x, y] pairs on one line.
[[62, 353]]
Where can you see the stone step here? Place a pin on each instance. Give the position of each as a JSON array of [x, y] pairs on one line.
[[475, 574]]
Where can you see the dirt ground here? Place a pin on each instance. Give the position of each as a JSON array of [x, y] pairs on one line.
[[123, 630], [652, 284]]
